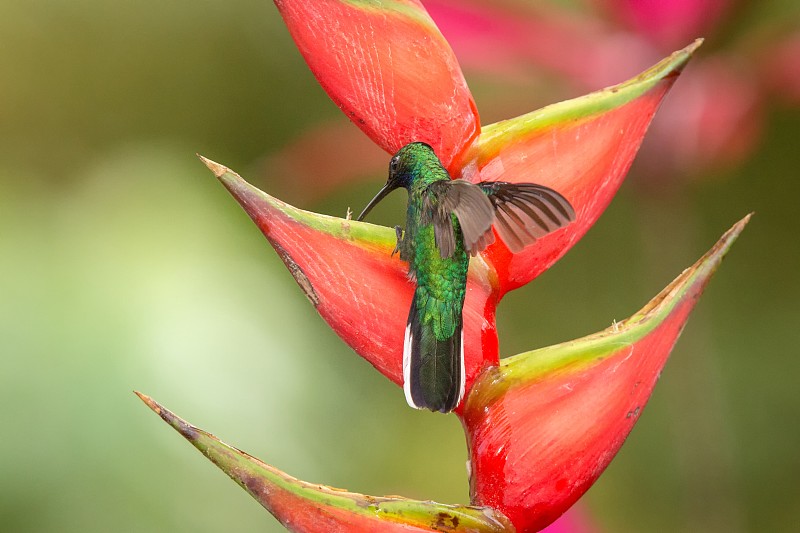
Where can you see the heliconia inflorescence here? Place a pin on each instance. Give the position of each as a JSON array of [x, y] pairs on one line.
[[542, 425]]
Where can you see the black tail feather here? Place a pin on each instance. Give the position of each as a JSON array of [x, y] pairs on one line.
[[433, 369]]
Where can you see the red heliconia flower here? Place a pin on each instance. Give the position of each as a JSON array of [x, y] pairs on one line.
[[541, 426]]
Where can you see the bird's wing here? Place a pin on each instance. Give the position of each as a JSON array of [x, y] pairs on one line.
[[525, 211], [471, 206]]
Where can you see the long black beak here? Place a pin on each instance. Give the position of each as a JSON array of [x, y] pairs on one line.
[[378, 197]]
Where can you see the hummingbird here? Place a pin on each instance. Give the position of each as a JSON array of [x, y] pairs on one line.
[[447, 222]]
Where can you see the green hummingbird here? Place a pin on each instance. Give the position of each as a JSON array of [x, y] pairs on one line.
[[448, 221]]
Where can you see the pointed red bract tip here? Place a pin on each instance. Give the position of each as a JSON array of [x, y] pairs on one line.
[[545, 424], [213, 166], [305, 507]]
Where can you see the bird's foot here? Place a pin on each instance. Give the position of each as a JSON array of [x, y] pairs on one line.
[[398, 231]]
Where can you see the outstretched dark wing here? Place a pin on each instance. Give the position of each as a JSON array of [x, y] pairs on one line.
[[520, 212], [525, 212], [471, 206]]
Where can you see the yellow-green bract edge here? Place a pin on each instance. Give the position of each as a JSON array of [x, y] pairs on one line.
[[250, 473], [578, 353], [579, 108]]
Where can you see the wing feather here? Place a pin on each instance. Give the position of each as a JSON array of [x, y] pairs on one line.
[[506, 230], [520, 212], [443, 233], [526, 211], [473, 209]]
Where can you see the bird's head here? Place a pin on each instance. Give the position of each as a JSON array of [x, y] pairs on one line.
[[402, 169]]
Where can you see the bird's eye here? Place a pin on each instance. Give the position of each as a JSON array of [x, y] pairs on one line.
[[393, 164]]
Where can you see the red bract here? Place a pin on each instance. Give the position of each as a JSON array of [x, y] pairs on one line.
[[310, 508], [543, 425], [389, 69]]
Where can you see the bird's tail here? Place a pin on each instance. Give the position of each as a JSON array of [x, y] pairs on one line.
[[433, 365]]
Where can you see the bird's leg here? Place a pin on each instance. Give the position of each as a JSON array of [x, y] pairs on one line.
[[399, 232]]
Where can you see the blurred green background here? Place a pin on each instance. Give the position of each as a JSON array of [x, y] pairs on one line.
[[124, 265]]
